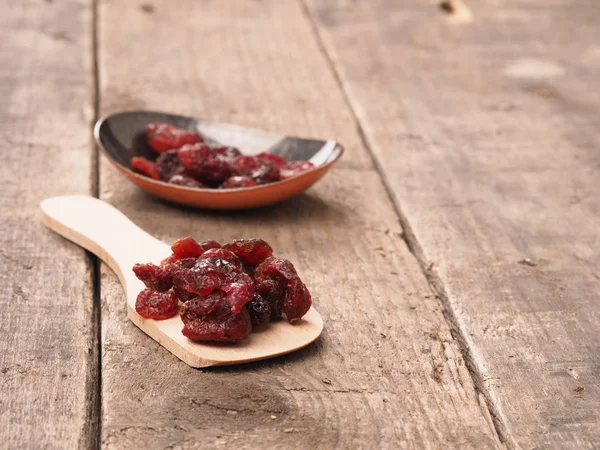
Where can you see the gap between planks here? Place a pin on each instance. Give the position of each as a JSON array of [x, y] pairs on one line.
[[95, 407], [416, 250]]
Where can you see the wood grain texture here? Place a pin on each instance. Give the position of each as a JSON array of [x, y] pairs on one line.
[[48, 346], [386, 373], [487, 135]]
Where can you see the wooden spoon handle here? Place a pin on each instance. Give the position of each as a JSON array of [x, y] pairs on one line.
[[104, 231]]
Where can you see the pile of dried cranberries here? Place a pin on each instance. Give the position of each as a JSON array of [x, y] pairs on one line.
[[226, 290], [186, 160]]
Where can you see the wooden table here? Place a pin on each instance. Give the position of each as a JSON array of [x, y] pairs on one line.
[[454, 252]]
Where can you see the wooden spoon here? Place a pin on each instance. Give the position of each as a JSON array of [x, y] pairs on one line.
[[106, 232]]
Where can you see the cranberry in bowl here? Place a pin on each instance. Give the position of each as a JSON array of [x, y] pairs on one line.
[[207, 164]]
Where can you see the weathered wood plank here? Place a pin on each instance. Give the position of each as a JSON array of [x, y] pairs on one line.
[[48, 346], [386, 373], [486, 133]]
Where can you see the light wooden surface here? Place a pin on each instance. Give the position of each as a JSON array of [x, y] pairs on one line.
[[453, 251], [386, 371], [487, 135], [48, 353]]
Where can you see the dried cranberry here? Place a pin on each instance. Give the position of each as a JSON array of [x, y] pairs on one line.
[[250, 251], [195, 281], [226, 255], [235, 328], [186, 248], [260, 311], [272, 291], [168, 165], [277, 269], [145, 167], [212, 306], [293, 168], [164, 136], [267, 173], [189, 248], [261, 171], [238, 182], [176, 268], [272, 158], [193, 155], [204, 164], [297, 300], [209, 245], [214, 171], [249, 270], [185, 263], [228, 153], [245, 165], [180, 292], [182, 180], [154, 277], [167, 261], [239, 291], [218, 269], [156, 305]]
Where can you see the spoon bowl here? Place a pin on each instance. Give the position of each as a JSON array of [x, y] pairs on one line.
[[103, 230], [121, 136]]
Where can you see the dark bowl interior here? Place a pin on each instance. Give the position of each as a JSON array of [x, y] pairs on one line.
[[122, 136]]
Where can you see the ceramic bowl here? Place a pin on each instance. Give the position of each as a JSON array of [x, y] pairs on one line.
[[121, 136]]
